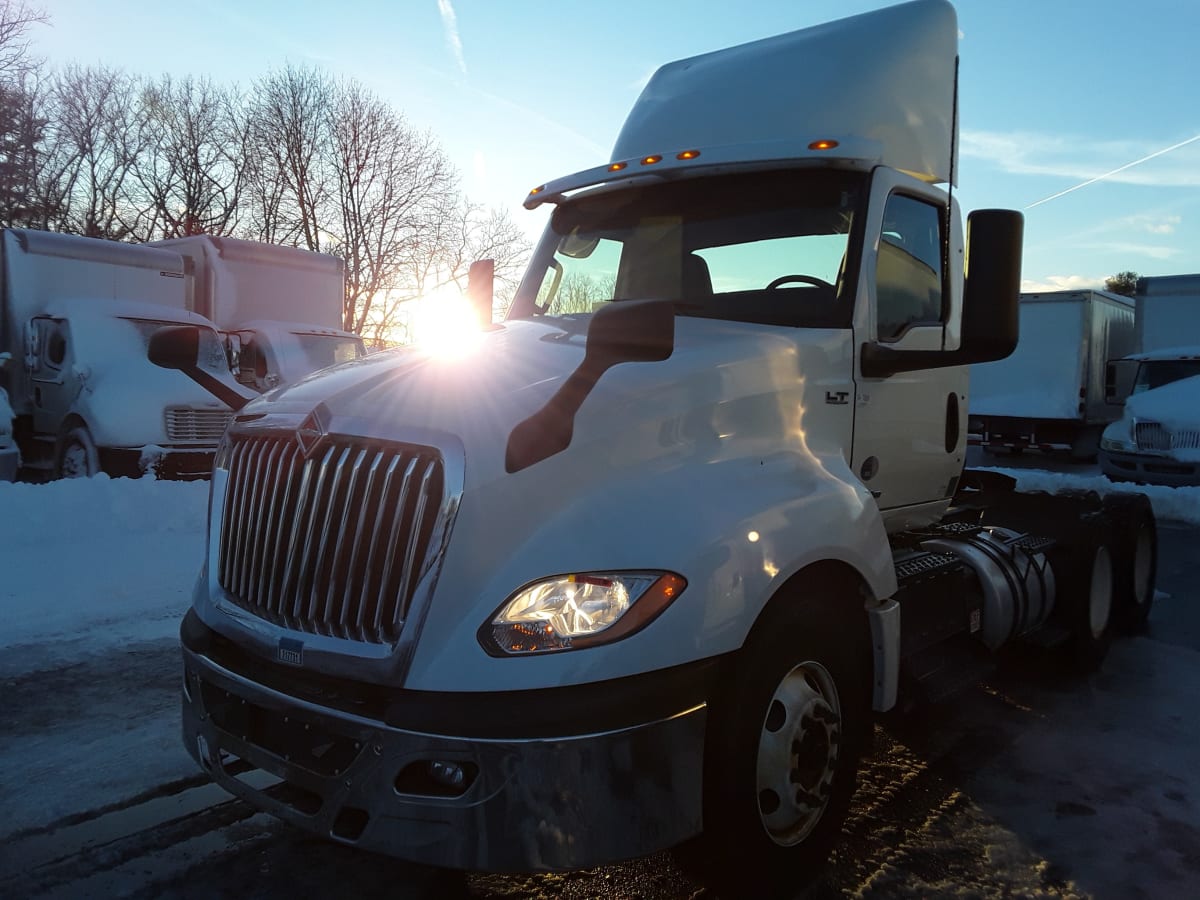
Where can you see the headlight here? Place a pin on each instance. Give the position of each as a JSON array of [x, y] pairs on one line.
[[1119, 437], [570, 612]]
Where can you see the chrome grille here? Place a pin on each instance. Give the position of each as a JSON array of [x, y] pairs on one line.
[[187, 424], [334, 544], [1155, 436]]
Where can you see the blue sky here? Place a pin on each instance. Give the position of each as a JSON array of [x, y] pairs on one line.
[[1052, 93]]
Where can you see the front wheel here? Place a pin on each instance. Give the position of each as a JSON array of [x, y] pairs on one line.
[[782, 756], [77, 454]]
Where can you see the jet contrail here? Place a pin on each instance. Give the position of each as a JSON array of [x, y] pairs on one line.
[[450, 23], [1136, 162]]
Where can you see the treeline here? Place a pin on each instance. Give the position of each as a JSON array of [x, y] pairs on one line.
[[300, 158]]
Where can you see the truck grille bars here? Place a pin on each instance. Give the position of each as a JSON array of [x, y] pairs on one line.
[[187, 424], [1154, 436], [332, 544]]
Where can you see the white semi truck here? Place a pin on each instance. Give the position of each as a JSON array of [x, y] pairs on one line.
[[280, 308], [76, 316], [634, 573]]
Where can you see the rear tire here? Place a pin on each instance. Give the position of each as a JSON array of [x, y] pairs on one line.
[[781, 759], [1135, 559], [1087, 595]]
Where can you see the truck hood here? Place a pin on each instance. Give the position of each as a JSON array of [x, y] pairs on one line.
[[1173, 405], [478, 395]]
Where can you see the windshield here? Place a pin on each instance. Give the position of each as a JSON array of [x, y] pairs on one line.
[[1154, 373], [763, 247], [323, 350]]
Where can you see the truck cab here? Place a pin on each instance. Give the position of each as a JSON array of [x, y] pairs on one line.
[[266, 354], [626, 570], [97, 404], [1157, 438]]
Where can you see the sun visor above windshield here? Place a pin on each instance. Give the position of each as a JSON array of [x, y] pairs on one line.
[[885, 76]]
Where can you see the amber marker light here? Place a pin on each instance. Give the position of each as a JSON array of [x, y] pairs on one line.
[[822, 145], [617, 167], [537, 190], [688, 154], [651, 160]]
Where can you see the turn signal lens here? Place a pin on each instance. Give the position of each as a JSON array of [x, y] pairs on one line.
[[617, 166], [822, 145], [688, 154], [651, 160]]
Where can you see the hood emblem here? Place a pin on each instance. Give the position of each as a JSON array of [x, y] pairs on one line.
[[310, 432]]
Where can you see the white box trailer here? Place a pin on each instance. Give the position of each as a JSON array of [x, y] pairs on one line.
[[1168, 312], [280, 307], [1050, 394]]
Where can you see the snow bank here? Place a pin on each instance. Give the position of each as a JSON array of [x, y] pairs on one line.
[[88, 563], [1180, 504]]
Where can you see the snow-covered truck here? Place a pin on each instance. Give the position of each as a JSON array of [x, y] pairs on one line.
[[76, 316], [280, 308], [1156, 440], [632, 568], [1050, 394]]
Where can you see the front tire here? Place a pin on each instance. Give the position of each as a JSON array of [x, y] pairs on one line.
[[784, 742], [77, 455]]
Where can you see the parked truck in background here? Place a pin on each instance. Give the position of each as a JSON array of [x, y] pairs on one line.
[[280, 308], [1156, 440], [1050, 393], [631, 574], [76, 315]]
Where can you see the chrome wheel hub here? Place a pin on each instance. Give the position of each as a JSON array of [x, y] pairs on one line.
[[798, 753]]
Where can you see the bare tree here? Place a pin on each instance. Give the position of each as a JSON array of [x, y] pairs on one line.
[[93, 139], [289, 180], [391, 181], [15, 19], [190, 171]]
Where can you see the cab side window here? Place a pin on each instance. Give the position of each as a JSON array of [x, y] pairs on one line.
[[50, 347], [908, 271]]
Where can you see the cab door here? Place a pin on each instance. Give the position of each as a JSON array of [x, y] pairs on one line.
[[910, 427], [53, 384]]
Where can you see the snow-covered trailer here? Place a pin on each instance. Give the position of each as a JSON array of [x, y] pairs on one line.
[[1050, 393]]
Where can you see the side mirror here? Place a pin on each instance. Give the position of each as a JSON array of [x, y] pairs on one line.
[[481, 279], [178, 347], [1119, 376], [624, 331], [631, 331], [991, 284]]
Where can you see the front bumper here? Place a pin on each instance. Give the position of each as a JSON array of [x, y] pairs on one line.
[[542, 803], [1148, 469]]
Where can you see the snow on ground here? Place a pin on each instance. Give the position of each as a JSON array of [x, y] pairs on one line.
[[89, 563]]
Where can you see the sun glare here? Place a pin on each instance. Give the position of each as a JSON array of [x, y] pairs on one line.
[[445, 324]]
